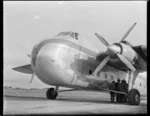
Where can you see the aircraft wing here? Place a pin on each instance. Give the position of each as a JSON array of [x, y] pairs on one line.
[[24, 69]]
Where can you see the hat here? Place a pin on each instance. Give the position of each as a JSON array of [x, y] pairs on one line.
[[118, 79], [123, 80]]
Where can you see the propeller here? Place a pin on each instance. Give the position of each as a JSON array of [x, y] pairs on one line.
[[33, 74], [101, 65], [125, 61], [32, 77], [114, 50], [102, 39], [128, 32]]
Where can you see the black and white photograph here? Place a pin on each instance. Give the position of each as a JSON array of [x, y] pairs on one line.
[[74, 57]]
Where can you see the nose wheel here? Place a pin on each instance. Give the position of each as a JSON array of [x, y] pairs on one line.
[[51, 93]]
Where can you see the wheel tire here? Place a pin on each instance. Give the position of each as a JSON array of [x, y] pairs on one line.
[[54, 95], [134, 97], [51, 94]]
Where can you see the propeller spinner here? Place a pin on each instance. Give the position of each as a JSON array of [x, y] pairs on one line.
[[114, 51]]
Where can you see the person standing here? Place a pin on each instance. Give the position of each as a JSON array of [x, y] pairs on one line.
[[126, 87], [123, 88], [112, 94], [117, 89]]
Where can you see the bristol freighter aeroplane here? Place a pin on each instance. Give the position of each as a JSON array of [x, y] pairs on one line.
[[68, 60]]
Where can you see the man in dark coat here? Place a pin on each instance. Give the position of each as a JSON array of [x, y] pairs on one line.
[[112, 94], [117, 89], [123, 88]]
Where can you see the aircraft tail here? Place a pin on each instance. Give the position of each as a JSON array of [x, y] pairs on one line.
[[24, 69]]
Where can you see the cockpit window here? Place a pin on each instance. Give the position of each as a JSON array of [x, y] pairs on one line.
[[69, 34], [72, 35]]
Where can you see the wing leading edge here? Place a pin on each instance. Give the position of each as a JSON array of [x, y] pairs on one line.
[[24, 69]]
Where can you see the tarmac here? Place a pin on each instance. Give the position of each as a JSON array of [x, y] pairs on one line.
[[24, 102]]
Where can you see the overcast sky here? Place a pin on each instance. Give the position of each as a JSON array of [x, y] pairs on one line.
[[28, 22]]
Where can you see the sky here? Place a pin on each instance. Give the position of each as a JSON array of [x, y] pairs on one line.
[[28, 22]]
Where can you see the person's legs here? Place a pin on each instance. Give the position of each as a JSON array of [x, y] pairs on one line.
[[120, 98], [117, 97], [112, 97], [123, 98]]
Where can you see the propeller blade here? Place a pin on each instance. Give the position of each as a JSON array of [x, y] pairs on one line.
[[127, 33], [102, 64], [126, 62], [32, 77], [102, 39]]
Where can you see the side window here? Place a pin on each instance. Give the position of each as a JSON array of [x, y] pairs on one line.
[[76, 36], [90, 72], [112, 77], [67, 33], [72, 35]]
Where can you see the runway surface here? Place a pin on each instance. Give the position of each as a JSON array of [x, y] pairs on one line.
[[70, 102]]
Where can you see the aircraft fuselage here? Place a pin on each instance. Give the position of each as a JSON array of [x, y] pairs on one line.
[[66, 63]]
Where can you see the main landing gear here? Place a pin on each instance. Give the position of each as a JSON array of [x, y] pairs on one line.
[[133, 95], [51, 93]]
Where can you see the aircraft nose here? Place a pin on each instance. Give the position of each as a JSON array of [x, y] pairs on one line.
[[47, 67]]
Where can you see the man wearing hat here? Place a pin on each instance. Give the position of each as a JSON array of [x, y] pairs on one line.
[[112, 94], [123, 88], [117, 89]]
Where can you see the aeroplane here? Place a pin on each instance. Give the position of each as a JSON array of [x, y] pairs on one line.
[[68, 60]]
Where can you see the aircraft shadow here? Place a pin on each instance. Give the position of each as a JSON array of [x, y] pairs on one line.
[[90, 101], [75, 99], [84, 100], [67, 99]]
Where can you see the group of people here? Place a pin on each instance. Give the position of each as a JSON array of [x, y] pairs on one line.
[[121, 87]]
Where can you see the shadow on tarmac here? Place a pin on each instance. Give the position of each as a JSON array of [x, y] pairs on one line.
[[75, 99]]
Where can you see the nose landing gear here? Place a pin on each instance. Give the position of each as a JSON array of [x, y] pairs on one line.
[[51, 93]]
